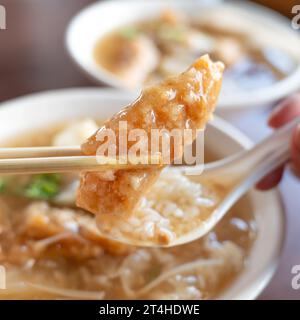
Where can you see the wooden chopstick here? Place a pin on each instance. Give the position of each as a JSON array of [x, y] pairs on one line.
[[35, 152], [63, 159]]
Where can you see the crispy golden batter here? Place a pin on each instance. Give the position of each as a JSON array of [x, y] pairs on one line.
[[182, 102]]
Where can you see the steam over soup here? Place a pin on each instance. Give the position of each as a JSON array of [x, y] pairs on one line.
[[51, 249], [150, 50]]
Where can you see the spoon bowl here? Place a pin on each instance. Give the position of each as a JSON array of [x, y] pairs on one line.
[[229, 178], [238, 173]]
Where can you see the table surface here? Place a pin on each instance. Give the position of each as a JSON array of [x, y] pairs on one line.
[[33, 58]]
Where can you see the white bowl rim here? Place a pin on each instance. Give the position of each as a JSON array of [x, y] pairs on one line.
[[255, 98], [253, 289]]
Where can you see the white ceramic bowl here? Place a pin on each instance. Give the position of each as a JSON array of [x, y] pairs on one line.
[[41, 110], [88, 26]]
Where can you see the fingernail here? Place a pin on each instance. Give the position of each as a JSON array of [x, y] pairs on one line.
[[297, 138]]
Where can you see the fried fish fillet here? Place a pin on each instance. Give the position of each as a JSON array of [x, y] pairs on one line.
[[186, 101]]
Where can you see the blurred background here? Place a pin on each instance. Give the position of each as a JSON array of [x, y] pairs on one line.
[[33, 58]]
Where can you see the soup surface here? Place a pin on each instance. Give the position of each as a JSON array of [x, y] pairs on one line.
[[51, 249], [148, 51]]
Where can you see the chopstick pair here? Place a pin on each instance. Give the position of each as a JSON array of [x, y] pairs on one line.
[[63, 159]]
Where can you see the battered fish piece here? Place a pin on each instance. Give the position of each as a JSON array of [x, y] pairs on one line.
[[186, 101]]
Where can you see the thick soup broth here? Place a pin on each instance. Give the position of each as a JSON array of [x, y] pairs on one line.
[[51, 249]]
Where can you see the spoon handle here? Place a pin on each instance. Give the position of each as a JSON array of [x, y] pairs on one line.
[[258, 161], [271, 152]]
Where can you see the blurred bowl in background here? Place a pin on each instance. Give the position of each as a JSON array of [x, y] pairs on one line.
[[267, 28]]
